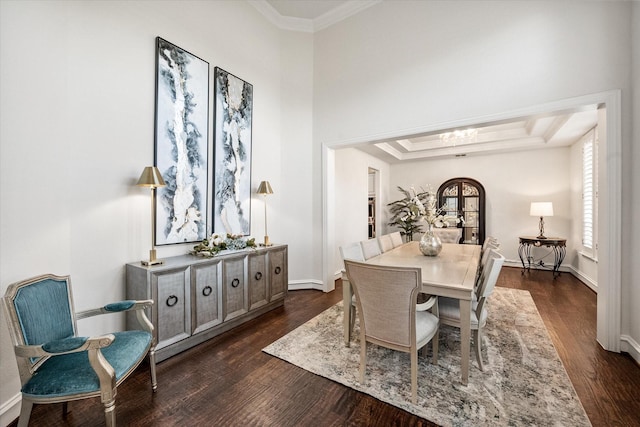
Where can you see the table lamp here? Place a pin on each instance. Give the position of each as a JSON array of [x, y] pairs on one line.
[[152, 178], [541, 209], [265, 188]]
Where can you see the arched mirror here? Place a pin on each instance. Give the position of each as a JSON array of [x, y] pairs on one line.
[[465, 197]]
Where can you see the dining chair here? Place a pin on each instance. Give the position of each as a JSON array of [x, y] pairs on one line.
[[385, 243], [449, 234], [396, 239], [449, 308], [386, 299], [54, 363], [490, 242], [353, 252], [370, 248]]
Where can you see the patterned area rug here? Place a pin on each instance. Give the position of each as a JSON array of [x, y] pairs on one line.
[[523, 384]]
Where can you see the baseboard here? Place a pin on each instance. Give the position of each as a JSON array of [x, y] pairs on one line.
[[563, 268], [297, 285], [629, 345], [10, 410], [584, 279]]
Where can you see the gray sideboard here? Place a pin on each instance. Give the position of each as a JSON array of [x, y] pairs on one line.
[[197, 298]]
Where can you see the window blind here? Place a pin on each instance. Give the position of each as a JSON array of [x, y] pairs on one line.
[[588, 190]]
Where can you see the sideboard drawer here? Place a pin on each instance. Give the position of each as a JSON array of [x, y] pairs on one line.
[[234, 288], [258, 295], [206, 295], [170, 289]]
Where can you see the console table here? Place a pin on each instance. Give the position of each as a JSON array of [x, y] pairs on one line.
[[197, 298], [557, 244]]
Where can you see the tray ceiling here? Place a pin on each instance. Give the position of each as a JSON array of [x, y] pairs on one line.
[[526, 133]]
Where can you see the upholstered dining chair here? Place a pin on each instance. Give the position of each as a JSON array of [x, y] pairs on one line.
[[396, 239], [490, 242], [449, 308], [370, 248], [386, 299], [55, 364], [449, 234], [385, 243], [353, 252]]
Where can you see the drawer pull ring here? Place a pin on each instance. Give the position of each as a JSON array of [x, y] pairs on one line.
[[278, 270], [206, 291], [258, 275], [235, 282], [172, 300]]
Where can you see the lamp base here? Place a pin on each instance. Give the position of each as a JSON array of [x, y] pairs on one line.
[[152, 262], [266, 242], [152, 259]]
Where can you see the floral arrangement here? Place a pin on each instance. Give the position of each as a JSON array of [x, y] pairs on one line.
[[407, 213], [215, 243], [433, 215]]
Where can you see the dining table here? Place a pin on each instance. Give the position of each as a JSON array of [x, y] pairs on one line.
[[451, 273]]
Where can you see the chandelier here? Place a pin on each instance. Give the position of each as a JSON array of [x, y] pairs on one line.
[[465, 136]]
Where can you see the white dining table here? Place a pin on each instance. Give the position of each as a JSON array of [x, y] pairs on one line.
[[450, 274]]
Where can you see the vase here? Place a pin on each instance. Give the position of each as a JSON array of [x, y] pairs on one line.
[[430, 244]]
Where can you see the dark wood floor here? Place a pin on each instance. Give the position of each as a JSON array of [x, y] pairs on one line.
[[228, 381]]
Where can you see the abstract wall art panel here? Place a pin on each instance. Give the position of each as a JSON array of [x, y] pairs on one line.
[[181, 135], [232, 158]]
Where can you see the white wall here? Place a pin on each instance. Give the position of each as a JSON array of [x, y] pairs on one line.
[[351, 197], [76, 129], [437, 63], [77, 102], [631, 301], [509, 189]]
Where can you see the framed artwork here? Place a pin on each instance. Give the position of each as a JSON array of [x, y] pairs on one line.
[[232, 158], [181, 135]]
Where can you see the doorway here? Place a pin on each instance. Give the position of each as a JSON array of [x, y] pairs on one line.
[[609, 209], [373, 217]]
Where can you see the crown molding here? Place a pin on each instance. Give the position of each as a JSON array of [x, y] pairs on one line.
[[282, 22], [341, 12], [323, 21]]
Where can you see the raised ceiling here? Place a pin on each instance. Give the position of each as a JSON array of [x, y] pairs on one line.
[[525, 133], [307, 9], [554, 130], [309, 15]]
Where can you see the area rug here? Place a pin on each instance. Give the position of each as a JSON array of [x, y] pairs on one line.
[[523, 384]]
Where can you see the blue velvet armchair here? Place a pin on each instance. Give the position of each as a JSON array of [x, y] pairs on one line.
[[54, 363]]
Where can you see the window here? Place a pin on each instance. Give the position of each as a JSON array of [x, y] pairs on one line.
[[589, 192]]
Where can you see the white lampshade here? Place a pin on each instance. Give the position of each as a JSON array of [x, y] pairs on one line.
[[541, 209]]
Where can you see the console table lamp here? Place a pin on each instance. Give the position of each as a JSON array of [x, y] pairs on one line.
[[541, 209], [265, 188], [152, 178]]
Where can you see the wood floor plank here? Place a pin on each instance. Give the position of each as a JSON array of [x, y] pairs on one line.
[[229, 381]]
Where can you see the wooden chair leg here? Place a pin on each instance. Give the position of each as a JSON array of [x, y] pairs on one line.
[[110, 413], [352, 320], [25, 412], [477, 338], [414, 377], [152, 368], [363, 357], [435, 345]]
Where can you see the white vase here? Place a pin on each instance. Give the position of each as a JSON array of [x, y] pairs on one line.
[[430, 244]]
